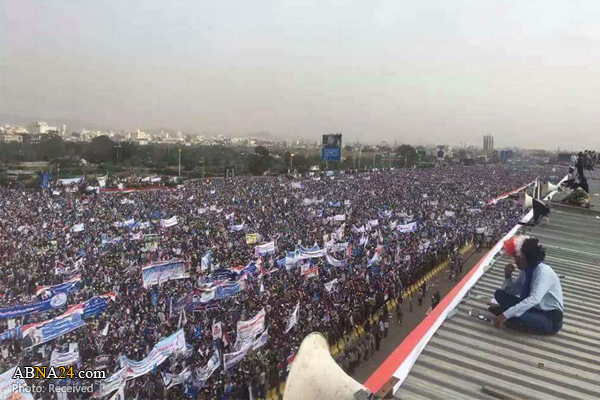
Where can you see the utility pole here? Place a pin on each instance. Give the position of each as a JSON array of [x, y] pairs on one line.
[[118, 146], [180, 163], [374, 155], [359, 155]]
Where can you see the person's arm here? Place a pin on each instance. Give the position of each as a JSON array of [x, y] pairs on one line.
[[510, 284], [539, 287]]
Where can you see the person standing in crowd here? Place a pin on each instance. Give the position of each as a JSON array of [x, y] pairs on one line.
[[386, 326], [399, 315]]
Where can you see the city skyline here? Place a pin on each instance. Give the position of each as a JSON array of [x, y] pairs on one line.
[[417, 72]]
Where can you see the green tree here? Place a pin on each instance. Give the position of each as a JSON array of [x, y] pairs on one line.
[[408, 153], [100, 149], [260, 162], [50, 147]]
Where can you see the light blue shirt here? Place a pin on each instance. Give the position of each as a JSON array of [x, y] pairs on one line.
[[546, 292]]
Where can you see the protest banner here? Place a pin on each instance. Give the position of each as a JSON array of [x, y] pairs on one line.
[[58, 300], [159, 353], [167, 223], [247, 330], [412, 227], [293, 318], [264, 249], [67, 358], [160, 272]]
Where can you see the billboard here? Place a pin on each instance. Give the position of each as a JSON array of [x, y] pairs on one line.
[[440, 152], [332, 147]]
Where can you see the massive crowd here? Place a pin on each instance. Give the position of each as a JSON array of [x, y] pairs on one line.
[[450, 206]]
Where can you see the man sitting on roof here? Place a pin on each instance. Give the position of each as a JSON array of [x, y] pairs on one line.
[[538, 308]]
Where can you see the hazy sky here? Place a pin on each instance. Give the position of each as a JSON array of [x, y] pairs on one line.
[[447, 71]]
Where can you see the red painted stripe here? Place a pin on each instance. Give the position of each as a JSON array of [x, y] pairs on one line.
[[399, 355], [511, 192]]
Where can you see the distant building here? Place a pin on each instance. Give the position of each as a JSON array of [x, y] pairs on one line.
[[44, 128], [488, 143]]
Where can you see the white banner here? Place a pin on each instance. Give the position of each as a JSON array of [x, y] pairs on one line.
[[329, 285], [264, 249], [171, 380], [112, 383], [78, 227], [66, 182], [449, 213], [202, 374], [340, 217], [163, 271], [412, 227], [167, 223], [339, 247], [293, 318], [161, 351], [247, 330], [63, 359], [231, 359], [237, 228], [333, 262]]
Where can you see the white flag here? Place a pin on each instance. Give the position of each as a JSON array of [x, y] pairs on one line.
[[78, 227]]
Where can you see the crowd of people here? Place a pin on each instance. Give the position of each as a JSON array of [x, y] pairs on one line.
[[445, 208]]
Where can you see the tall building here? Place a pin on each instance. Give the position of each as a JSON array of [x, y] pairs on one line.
[[488, 143]]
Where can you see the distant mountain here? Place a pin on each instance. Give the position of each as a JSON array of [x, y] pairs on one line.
[[72, 124]]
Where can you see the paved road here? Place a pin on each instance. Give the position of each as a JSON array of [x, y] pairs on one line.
[[397, 333]]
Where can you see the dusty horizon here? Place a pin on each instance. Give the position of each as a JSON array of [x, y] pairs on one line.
[[429, 72]]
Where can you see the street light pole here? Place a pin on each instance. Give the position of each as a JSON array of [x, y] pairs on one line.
[[180, 163], [291, 163]]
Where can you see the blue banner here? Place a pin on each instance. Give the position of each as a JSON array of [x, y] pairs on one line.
[[331, 153], [67, 287], [57, 301], [52, 329], [11, 333], [94, 307], [229, 290]]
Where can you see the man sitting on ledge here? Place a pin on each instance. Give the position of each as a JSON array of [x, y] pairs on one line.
[[538, 308]]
